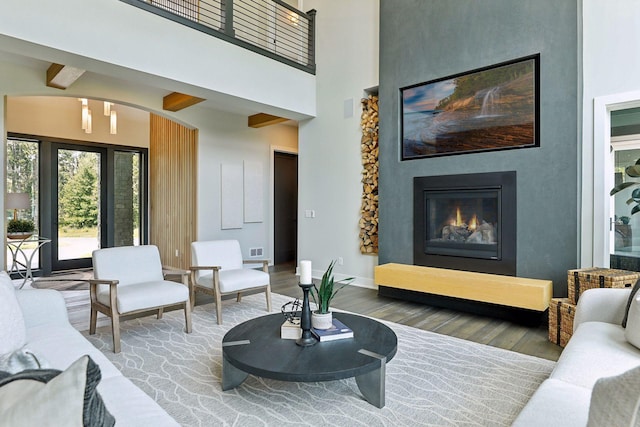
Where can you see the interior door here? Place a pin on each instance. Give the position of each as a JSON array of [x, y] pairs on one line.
[[285, 195], [79, 207]]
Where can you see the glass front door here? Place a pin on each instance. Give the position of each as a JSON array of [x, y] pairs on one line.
[[625, 204], [79, 206]]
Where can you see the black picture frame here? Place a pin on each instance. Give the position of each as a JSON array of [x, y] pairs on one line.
[[486, 109]]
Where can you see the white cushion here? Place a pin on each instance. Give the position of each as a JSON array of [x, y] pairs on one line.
[[139, 296], [222, 253], [236, 280], [12, 329], [632, 331], [615, 400], [128, 264], [556, 403], [595, 350]]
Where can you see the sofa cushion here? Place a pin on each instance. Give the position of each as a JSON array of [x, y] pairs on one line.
[[12, 329], [235, 280], [632, 331], [615, 400], [631, 296], [595, 350], [131, 406], [145, 295], [62, 346], [556, 403], [67, 398]]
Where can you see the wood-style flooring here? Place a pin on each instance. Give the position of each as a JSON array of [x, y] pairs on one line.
[[533, 341], [485, 330]]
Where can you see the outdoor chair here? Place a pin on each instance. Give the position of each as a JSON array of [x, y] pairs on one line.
[[130, 280], [217, 269]]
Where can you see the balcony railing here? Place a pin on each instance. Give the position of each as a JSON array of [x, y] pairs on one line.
[[269, 27]]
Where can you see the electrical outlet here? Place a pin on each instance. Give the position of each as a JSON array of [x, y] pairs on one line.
[[340, 261]]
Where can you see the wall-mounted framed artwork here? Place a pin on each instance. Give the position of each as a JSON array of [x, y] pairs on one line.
[[491, 108]]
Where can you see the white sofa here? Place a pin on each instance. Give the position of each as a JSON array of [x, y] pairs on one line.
[[50, 335], [598, 348]]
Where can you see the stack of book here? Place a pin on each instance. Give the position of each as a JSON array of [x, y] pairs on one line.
[[337, 332]]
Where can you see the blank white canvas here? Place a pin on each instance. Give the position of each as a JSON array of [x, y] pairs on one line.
[[253, 193], [231, 196]]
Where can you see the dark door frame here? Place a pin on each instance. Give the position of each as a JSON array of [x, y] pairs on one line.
[[48, 187]]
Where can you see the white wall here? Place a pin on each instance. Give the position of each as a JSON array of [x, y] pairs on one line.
[[129, 42], [610, 62], [329, 145], [223, 138]]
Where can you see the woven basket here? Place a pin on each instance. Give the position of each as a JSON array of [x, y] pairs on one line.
[[587, 278], [561, 313]]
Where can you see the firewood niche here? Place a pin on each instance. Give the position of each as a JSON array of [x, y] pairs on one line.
[[369, 148]]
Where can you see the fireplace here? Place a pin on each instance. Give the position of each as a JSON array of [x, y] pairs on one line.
[[466, 222]]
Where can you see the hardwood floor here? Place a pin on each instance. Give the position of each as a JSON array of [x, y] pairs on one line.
[[484, 330], [495, 332]]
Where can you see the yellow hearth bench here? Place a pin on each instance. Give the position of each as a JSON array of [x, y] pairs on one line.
[[509, 291]]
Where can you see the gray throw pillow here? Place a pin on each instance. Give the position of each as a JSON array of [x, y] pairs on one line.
[[626, 311], [38, 397], [615, 401]]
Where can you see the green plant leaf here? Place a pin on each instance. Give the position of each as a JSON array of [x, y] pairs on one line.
[[635, 209], [630, 201], [621, 187], [633, 171]]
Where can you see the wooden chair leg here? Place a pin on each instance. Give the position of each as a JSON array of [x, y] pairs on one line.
[[268, 295], [160, 311], [218, 307], [93, 320], [187, 316], [115, 327], [239, 297]]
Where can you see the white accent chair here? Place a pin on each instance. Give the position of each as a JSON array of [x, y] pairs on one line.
[[217, 269], [130, 280]]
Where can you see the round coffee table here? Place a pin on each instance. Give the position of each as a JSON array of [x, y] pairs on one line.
[[255, 347]]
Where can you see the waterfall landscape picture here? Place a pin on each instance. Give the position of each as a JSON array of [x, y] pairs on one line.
[[486, 109]]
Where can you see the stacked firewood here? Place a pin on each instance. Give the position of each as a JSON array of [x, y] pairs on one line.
[[369, 148]]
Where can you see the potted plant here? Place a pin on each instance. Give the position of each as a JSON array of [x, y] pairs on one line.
[[322, 318], [634, 172], [20, 229]]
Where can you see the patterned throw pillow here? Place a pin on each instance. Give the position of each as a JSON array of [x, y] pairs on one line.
[[615, 400], [631, 295], [38, 397]]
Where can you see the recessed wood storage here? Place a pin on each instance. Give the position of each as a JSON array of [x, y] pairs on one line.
[[369, 147]]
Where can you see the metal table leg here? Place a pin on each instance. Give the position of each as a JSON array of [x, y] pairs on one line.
[[372, 384]]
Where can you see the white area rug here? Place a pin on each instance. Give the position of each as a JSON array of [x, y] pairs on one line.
[[432, 380]]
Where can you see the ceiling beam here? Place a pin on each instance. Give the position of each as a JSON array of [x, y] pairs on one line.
[[62, 76], [263, 119], [177, 101]]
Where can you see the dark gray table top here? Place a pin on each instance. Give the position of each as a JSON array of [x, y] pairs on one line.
[[267, 355]]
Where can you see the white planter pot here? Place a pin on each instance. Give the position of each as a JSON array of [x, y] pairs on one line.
[[321, 321]]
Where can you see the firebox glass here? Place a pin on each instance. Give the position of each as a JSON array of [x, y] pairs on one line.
[[463, 223]]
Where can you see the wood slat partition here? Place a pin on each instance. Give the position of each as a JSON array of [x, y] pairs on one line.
[[172, 190]]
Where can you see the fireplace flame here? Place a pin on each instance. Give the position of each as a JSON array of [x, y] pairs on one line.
[[458, 221]]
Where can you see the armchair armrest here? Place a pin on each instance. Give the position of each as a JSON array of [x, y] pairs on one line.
[[203, 267], [601, 305], [264, 262], [42, 306]]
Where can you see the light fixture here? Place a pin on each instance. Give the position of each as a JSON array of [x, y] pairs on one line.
[[87, 122], [113, 122], [17, 201], [89, 127]]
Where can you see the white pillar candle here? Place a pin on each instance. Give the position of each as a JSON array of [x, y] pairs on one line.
[[305, 272]]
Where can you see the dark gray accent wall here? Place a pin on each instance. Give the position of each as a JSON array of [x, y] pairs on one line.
[[422, 40]]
